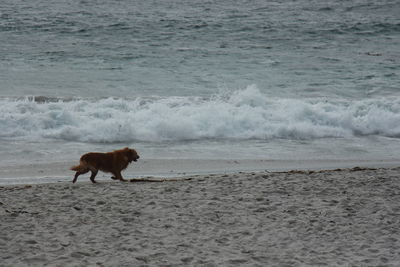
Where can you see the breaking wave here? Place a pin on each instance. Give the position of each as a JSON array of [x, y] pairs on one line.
[[242, 114]]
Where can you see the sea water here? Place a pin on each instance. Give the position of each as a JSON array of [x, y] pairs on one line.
[[275, 80]]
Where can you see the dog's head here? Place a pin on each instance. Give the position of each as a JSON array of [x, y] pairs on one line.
[[131, 154]]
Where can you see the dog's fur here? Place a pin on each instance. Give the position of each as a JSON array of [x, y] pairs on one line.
[[112, 162]]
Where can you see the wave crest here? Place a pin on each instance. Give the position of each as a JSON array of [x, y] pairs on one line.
[[242, 114]]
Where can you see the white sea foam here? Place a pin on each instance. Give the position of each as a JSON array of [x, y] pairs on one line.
[[242, 114]]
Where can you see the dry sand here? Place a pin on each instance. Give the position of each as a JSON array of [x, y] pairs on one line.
[[336, 218]]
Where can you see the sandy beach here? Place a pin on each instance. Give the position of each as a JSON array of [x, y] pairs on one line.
[[347, 217]]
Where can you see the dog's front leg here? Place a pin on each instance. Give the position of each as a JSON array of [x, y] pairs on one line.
[[119, 176]]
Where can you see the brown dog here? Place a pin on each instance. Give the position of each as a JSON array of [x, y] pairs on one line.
[[112, 162]]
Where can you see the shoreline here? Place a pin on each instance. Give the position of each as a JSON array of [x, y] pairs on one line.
[[313, 218], [39, 173]]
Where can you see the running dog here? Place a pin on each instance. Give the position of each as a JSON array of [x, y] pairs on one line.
[[111, 162]]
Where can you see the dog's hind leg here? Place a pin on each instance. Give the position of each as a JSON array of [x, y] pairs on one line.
[[94, 173], [79, 173]]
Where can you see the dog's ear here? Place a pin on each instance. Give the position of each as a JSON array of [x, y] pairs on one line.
[[127, 152]]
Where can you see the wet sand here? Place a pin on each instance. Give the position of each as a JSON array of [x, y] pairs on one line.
[[293, 218], [43, 172]]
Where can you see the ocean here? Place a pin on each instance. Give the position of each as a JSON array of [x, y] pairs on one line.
[[231, 80]]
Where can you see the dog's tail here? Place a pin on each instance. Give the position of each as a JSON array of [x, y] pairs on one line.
[[78, 168]]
